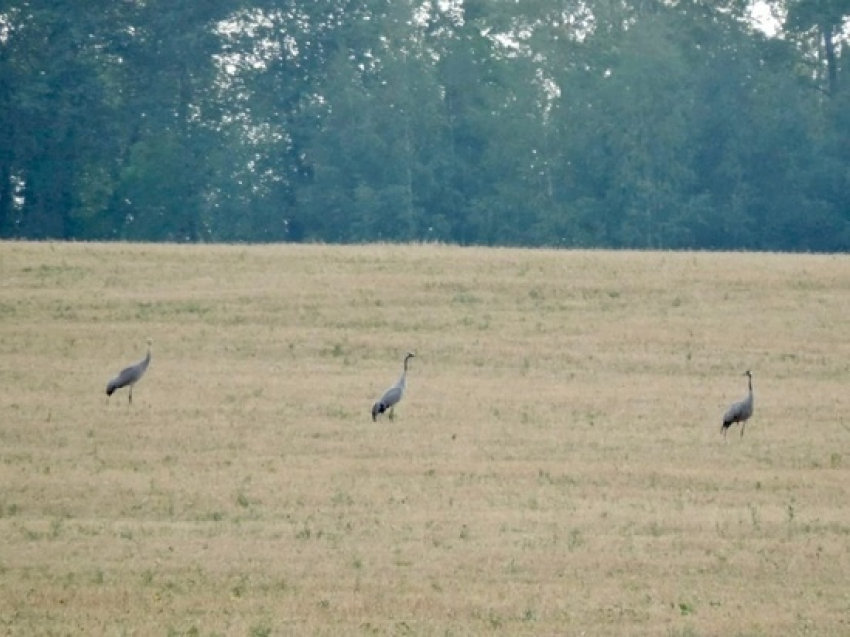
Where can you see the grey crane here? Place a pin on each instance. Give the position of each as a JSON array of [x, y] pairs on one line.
[[393, 395], [131, 375], [741, 410]]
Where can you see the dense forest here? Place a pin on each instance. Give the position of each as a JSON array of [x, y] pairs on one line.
[[590, 123]]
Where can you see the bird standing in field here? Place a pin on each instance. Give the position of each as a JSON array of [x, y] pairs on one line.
[[131, 375], [393, 395], [741, 410]]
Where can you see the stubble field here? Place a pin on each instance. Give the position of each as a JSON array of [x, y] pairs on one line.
[[556, 466]]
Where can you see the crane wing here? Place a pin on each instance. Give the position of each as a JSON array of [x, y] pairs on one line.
[[124, 377], [128, 375], [392, 396], [734, 412]]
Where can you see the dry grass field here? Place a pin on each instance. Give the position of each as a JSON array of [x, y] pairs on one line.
[[556, 467]]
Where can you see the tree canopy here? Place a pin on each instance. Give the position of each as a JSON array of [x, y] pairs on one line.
[[593, 123]]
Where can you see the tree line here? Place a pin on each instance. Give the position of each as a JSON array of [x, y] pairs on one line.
[[669, 124]]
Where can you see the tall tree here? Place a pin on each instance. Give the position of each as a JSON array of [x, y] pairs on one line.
[[168, 106], [824, 19], [54, 114]]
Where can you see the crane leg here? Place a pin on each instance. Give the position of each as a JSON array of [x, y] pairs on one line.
[[743, 424], [392, 413], [130, 399]]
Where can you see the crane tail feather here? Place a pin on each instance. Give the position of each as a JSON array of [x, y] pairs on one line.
[[378, 408]]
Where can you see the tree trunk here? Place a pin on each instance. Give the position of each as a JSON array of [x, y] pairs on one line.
[[831, 64]]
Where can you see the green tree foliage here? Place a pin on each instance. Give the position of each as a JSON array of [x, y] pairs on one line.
[[633, 123]]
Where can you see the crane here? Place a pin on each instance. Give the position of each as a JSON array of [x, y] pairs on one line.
[[131, 375], [740, 411], [393, 395]]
